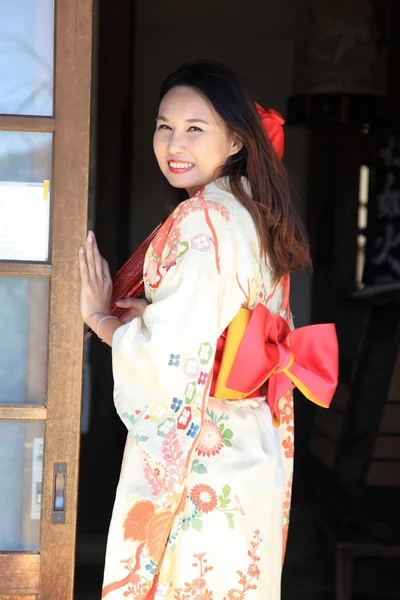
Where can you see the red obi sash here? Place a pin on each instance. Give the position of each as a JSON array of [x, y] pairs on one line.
[[218, 392], [259, 347]]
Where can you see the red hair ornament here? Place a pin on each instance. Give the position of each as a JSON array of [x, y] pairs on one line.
[[272, 122]]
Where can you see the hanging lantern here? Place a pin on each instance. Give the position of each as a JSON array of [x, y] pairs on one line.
[[340, 61]]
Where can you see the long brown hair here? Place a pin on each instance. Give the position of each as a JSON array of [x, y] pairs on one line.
[[283, 239]]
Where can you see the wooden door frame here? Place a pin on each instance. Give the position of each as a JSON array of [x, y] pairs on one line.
[[73, 35], [48, 574]]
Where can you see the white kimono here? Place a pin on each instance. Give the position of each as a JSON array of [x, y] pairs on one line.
[[202, 505]]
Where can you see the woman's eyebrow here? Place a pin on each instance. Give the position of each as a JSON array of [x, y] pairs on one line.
[[196, 120]]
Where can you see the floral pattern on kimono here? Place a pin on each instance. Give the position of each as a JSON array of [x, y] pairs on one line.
[[204, 490]]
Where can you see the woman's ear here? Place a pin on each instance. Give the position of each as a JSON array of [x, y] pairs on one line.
[[236, 144]]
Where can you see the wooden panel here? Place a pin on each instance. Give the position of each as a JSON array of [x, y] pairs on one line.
[[387, 447], [394, 391], [19, 573], [384, 474], [17, 412], [24, 597], [22, 123], [69, 224], [342, 396], [391, 419], [330, 422], [23, 269], [323, 449], [37, 356]]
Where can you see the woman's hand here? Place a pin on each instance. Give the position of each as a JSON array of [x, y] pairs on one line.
[[96, 283], [135, 308]]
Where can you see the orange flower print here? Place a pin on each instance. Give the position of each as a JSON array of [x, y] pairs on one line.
[[160, 239], [204, 497], [286, 502], [210, 439], [287, 413], [235, 595], [289, 447], [253, 570], [199, 583], [196, 590], [285, 286], [152, 275], [206, 595], [290, 429]]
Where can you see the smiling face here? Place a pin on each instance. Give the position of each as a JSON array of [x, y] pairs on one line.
[[191, 141]]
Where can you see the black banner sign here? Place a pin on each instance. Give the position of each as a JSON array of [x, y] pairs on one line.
[[382, 263]]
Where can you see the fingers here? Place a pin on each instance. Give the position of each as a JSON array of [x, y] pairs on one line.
[[97, 265], [96, 283], [90, 255], [98, 260], [83, 265], [131, 303], [126, 302], [106, 269], [126, 318], [134, 307], [129, 315]]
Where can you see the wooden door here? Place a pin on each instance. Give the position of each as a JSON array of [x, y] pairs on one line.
[[45, 68]]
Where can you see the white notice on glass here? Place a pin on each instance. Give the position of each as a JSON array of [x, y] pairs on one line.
[[24, 221], [37, 471]]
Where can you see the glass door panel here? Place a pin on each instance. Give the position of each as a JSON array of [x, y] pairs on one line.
[[21, 451], [25, 173], [26, 57], [41, 341], [24, 303]]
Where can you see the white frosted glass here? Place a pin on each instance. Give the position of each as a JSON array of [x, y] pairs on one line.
[[25, 184], [23, 340], [21, 464]]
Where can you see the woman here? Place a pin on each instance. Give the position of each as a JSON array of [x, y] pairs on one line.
[[205, 484]]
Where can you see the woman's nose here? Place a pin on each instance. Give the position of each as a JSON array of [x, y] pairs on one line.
[[176, 143]]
